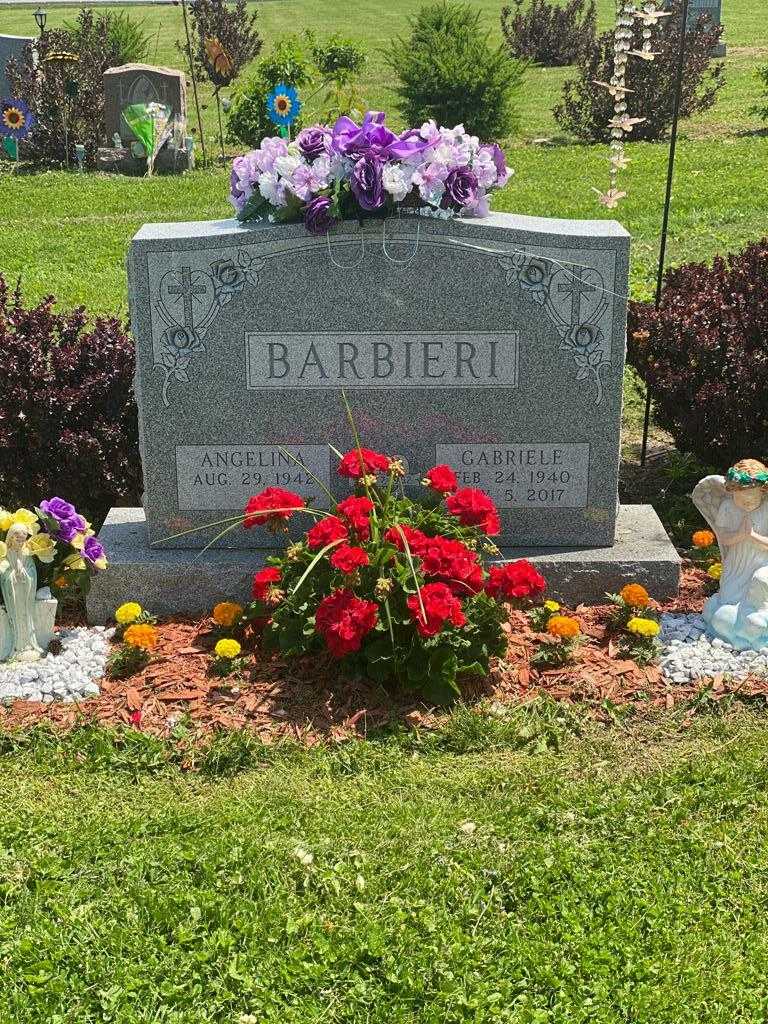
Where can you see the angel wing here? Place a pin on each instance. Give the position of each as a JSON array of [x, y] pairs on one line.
[[707, 496]]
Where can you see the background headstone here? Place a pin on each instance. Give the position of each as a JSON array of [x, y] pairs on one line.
[[496, 345], [714, 9], [140, 83], [11, 47]]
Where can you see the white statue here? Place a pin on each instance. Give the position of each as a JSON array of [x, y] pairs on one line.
[[18, 584], [736, 508]]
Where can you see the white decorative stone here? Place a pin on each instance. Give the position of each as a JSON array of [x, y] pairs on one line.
[[69, 676], [689, 653]]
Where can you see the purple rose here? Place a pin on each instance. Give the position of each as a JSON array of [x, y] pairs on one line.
[[311, 141], [367, 184], [460, 189], [93, 550], [58, 509], [69, 527], [318, 219]]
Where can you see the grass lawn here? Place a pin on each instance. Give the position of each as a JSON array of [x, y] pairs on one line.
[[617, 875]]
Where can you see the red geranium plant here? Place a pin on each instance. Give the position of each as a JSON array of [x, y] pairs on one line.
[[396, 589]]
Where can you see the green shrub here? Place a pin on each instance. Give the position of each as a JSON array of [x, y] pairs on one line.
[[330, 67], [339, 63], [126, 38], [450, 71], [248, 121]]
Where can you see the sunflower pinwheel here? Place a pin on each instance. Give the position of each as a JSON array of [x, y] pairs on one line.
[[283, 105], [16, 119]]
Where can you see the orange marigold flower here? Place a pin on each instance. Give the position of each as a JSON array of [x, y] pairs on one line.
[[564, 626], [226, 612], [635, 595], [141, 635], [703, 539]]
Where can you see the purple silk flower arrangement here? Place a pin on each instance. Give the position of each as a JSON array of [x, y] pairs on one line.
[[350, 170]]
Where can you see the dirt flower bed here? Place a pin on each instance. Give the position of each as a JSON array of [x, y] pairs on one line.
[[304, 700]]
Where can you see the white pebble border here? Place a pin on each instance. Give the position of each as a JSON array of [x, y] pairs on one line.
[[689, 652], [68, 676]]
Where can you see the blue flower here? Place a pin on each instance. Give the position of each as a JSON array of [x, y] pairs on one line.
[[16, 119], [283, 104]]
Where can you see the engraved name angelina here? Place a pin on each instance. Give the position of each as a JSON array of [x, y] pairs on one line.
[[381, 360]]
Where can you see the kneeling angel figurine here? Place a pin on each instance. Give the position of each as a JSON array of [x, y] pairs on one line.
[[736, 508]]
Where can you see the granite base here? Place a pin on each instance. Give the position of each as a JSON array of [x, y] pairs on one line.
[[184, 582]]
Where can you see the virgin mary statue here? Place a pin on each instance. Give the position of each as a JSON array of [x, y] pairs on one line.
[[736, 508], [18, 585]]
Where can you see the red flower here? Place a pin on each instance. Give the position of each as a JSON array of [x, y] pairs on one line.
[[135, 717], [442, 479], [263, 580], [347, 558], [362, 462], [261, 507], [343, 620], [415, 538], [453, 563], [356, 512], [515, 580], [440, 607], [474, 508], [326, 531]]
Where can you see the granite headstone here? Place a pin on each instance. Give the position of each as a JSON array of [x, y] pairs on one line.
[[495, 345], [140, 83], [11, 48]]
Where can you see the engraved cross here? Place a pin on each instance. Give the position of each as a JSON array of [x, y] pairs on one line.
[[576, 288], [188, 291]]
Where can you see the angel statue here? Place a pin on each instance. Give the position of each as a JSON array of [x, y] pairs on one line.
[[736, 507], [18, 584]]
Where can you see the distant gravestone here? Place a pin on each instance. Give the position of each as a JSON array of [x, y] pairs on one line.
[[712, 8], [140, 83], [143, 83], [11, 47]]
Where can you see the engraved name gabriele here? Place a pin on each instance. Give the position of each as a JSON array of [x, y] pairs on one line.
[[382, 360]]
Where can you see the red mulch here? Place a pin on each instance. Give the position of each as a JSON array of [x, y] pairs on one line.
[[304, 700]]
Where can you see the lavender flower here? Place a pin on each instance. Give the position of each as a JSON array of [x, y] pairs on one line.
[[311, 141], [58, 509], [68, 528], [93, 552], [460, 189], [318, 219], [367, 184]]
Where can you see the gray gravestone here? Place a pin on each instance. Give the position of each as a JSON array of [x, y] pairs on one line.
[[140, 83], [712, 8], [11, 47], [495, 345]]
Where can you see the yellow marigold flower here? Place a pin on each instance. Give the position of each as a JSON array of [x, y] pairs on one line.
[[563, 626], [643, 627], [703, 539], [225, 613], [128, 612], [42, 547], [635, 595], [227, 648], [715, 571], [552, 606], [141, 635]]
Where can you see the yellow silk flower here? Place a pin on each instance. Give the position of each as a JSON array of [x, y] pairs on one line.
[[42, 547], [21, 515]]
